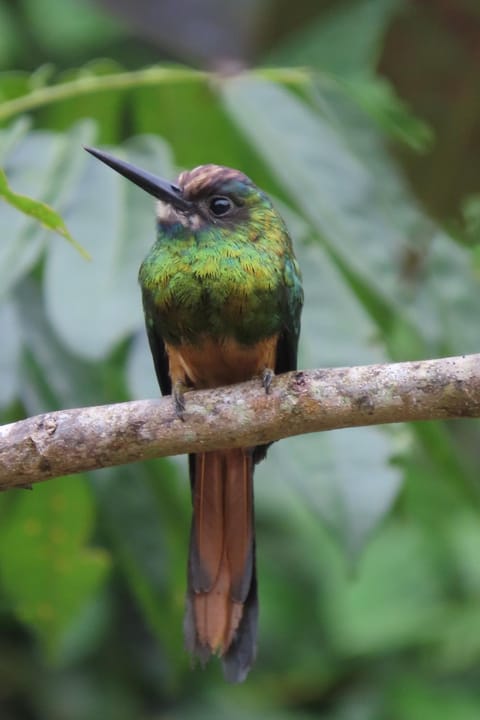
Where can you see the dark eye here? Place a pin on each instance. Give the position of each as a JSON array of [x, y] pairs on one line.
[[220, 205]]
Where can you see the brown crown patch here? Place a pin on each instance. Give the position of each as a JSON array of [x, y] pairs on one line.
[[208, 179]]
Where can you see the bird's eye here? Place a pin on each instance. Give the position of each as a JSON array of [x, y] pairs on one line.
[[220, 205]]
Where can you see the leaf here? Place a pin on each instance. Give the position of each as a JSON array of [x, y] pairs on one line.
[[395, 599], [149, 535], [41, 164], [46, 571], [141, 379], [94, 306], [346, 478], [105, 108], [80, 31], [212, 138], [11, 39], [13, 84], [336, 329], [10, 136], [377, 97], [41, 212], [346, 40], [471, 218], [51, 377], [451, 285], [9, 353], [414, 698], [21, 94]]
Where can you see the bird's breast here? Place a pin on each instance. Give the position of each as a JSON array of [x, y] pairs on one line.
[[228, 294]]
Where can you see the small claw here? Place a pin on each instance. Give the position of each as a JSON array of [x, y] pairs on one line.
[[267, 377], [179, 399]]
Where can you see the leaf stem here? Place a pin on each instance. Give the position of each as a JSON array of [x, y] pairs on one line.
[[124, 81]]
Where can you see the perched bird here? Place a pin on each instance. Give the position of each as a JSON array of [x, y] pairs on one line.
[[222, 296]]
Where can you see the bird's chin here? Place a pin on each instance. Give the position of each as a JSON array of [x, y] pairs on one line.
[[168, 215]]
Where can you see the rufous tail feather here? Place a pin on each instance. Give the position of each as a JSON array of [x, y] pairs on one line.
[[222, 604]]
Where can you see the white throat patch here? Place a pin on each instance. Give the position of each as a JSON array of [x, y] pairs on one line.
[[167, 214]]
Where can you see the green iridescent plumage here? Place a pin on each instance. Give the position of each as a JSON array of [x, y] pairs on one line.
[[237, 277]]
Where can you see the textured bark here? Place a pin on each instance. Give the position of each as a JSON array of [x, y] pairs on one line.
[[71, 441]]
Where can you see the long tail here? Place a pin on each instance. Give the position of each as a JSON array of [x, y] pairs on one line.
[[222, 607]]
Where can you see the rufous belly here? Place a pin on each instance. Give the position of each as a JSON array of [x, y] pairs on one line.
[[213, 363]]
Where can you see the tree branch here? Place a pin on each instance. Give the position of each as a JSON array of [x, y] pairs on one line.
[[71, 441]]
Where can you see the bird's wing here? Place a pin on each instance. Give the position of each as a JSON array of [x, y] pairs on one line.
[[287, 345], [292, 302], [157, 348]]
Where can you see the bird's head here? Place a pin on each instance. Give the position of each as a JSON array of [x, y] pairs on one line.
[[207, 197]]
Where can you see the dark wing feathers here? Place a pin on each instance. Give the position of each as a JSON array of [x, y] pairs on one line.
[[287, 345], [157, 348]]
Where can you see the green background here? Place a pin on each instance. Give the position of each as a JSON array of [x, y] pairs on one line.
[[362, 120]]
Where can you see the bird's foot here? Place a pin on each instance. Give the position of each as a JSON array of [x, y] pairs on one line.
[[179, 399], [267, 377]]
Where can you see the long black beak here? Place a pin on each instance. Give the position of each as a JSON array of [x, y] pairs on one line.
[[159, 188]]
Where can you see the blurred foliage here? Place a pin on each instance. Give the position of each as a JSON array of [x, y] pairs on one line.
[[37, 210], [368, 539]]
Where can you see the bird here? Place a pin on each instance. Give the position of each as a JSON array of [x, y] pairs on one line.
[[222, 298]]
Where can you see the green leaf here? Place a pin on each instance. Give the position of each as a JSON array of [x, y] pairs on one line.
[[11, 38], [51, 377], [343, 476], [21, 94], [346, 477], [44, 165], [9, 137], [336, 329], [141, 379], [143, 512], [105, 108], [346, 40], [377, 97], [80, 30], [94, 306], [13, 84], [212, 138], [471, 218], [395, 599], [47, 573], [41, 212], [415, 698], [9, 353]]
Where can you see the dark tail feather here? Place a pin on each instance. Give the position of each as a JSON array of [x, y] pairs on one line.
[[239, 658], [222, 607]]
